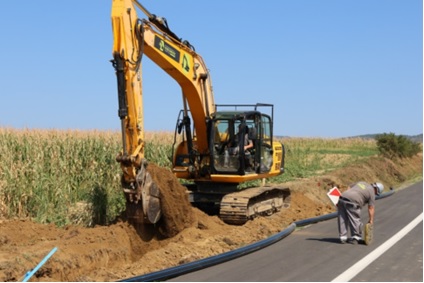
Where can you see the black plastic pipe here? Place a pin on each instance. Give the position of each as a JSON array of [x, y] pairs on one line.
[[213, 260]]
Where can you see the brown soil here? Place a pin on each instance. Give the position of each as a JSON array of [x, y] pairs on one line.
[[119, 251], [177, 213]]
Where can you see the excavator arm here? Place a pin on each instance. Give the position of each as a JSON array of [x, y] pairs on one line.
[[133, 38]]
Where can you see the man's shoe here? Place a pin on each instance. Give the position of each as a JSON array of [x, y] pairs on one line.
[[343, 241]]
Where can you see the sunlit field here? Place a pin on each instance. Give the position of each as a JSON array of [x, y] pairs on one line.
[[59, 177]]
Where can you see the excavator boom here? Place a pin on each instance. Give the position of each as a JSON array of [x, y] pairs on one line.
[[133, 38]]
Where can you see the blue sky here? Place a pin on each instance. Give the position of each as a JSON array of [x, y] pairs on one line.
[[332, 68]]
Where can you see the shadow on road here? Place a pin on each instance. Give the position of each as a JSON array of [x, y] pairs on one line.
[[328, 240]]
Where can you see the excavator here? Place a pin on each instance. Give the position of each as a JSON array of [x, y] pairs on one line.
[[221, 145]]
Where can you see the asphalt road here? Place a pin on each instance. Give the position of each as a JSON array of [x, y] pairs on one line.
[[314, 253]]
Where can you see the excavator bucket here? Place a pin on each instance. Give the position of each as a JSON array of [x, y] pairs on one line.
[[151, 199], [144, 206]]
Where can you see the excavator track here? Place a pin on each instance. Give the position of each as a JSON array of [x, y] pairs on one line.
[[239, 207]]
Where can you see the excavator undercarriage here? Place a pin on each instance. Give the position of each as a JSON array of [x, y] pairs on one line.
[[239, 207], [236, 207]]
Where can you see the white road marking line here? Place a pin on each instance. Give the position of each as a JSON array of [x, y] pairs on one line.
[[363, 263]]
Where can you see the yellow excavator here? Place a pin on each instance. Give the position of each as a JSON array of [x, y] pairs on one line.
[[221, 146]]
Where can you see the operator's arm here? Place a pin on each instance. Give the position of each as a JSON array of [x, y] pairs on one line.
[[371, 213], [248, 145]]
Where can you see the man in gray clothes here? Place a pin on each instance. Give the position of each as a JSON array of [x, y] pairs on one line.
[[349, 209]]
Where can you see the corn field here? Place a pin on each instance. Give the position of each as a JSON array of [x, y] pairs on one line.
[[65, 177]]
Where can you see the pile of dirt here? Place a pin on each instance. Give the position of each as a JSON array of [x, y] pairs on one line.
[[176, 209], [119, 251]]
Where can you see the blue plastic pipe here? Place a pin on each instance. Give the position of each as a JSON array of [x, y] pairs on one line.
[[30, 273]]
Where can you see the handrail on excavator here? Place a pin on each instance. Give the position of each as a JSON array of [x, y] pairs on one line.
[[142, 8]]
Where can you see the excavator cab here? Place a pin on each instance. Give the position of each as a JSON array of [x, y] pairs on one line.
[[241, 142]]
